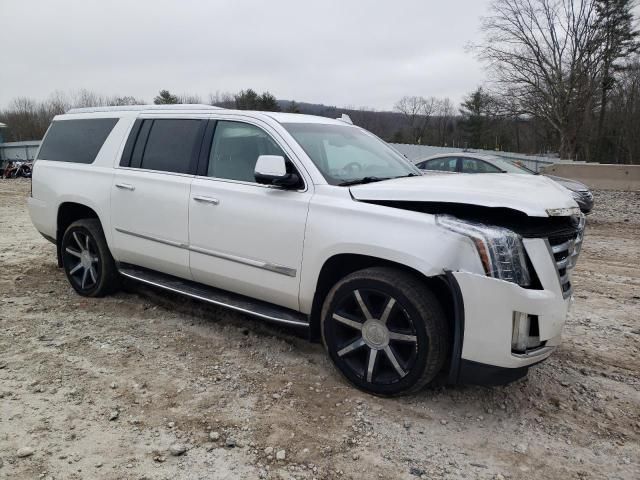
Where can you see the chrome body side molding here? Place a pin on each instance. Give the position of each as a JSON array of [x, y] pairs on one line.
[[272, 267], [153, 239]]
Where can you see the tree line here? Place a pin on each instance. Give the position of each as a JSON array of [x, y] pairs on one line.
[[563, 78]]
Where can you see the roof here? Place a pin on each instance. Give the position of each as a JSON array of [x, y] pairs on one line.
[[137, 108], [280, 117]]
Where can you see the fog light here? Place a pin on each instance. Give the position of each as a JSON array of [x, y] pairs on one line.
[[525, 334]]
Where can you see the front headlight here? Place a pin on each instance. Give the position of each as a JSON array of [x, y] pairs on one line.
[[501, 250]]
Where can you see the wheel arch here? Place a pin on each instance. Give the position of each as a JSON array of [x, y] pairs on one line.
[[69, 212], [340, 265]]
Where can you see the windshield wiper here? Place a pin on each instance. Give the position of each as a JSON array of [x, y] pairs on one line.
[[362, 180]]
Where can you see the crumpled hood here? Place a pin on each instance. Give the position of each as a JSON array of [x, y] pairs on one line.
[[530, 194]]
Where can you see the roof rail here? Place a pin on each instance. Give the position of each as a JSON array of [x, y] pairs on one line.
[[137, 108], [345, 118]]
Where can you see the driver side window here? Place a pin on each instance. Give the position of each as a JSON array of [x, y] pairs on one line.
[[235, 150]]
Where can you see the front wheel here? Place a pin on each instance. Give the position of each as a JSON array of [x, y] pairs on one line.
[[87, 261], [385, 331]]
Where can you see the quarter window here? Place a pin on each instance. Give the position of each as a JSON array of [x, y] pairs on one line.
[[76, 141], [235, 149], [471, 165]]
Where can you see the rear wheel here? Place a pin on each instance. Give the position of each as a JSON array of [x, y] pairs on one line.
[[87, 261], [385, 331]]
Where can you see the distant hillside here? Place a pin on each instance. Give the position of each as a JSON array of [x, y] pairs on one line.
[[383, 123]]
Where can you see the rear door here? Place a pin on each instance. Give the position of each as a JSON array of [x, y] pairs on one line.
[[150, 193]]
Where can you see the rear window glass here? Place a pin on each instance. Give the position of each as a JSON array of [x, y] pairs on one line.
[[170, 146], [77, 141]]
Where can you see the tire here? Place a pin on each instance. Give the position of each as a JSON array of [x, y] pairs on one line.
[[87, 261], [400, 332]]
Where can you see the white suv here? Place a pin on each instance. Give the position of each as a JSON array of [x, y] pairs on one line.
[[317, 224]]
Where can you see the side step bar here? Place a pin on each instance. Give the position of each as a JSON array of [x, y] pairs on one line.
[[233, 301]]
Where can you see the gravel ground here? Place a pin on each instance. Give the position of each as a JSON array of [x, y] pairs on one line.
[[144, 385]]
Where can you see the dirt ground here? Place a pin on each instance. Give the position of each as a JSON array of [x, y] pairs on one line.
[[105, 388]]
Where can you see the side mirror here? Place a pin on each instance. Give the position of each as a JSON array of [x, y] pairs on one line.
[[272, 170]]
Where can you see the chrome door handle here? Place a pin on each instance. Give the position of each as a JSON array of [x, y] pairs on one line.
[[125, 186], [211, 200]]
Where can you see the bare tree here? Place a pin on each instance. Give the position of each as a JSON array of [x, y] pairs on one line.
[[417, 112], [543, 57], [444, 115], [189, 98]]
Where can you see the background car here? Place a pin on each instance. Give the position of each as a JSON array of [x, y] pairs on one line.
[[465, 162]]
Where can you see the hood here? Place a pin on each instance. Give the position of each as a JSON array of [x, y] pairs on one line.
[[530, 194], [572, 185]]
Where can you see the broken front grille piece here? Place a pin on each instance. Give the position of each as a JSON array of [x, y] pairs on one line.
[[565, 250]]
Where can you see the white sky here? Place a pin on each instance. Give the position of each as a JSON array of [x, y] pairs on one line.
[[338, 52]]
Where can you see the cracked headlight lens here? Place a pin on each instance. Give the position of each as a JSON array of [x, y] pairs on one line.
[[501, 250]]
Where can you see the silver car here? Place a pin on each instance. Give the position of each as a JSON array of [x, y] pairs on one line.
[[468, 162]]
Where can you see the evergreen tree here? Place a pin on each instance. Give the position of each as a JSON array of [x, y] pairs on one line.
[[247, 100], [476, 117], [268, 103], [165, 98]]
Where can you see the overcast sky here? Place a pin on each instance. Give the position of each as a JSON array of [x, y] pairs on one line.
[[338, 52]]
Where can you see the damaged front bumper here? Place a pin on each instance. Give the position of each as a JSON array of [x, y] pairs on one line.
[[488, 349]]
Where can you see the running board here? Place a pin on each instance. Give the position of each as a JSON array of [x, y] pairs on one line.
[[233, 301]]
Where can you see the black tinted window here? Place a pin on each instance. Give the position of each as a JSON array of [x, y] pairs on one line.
[[171, 145], [471, 165], [446, 164], [77, 141]]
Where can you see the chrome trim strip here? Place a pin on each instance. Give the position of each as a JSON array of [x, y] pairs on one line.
[[562, 246], [271, 267], [534, 353], [153, 239], [215, 302]]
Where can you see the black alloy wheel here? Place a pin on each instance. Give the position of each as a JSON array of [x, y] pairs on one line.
[[87, 262], [385, 331]]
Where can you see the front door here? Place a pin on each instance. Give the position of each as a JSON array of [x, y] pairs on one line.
[[246, 237]]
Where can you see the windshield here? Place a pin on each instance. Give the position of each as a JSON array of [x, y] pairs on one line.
[[510, 166], [346, 154]]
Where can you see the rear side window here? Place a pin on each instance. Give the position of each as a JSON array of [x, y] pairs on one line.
[[77, 141], [166, 145]]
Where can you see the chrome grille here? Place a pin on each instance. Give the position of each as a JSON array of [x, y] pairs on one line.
[[565, 250]]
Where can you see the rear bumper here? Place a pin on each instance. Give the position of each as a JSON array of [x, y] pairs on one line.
[[40, 215]]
